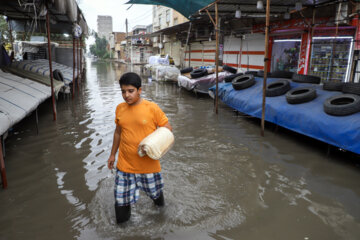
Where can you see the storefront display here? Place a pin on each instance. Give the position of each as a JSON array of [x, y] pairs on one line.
[[330, 57], [285, 55]]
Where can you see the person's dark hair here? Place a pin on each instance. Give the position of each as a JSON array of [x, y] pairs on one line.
[[130, 78]]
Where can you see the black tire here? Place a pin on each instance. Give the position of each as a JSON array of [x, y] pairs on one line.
[[306, 78], [198, 73], [353, 88], [260, 73], [186, 70], [277, 88], [57, 74], [242, 82], [282, 74], [300, 95], [333, 86], [229, 69], [231, 77], [254, 73], [342, 105]]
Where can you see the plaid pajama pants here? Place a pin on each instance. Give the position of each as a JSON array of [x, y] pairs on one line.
[[127, 186]]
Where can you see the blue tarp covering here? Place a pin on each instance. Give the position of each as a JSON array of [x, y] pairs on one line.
[[305, 118]]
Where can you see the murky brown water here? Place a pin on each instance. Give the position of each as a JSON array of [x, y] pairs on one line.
[[222, 180]]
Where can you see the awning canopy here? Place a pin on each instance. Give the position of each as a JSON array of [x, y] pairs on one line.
[[185, 7], [30, 16]]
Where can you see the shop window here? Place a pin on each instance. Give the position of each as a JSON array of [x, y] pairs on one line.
[[285, 55], [330, 58]]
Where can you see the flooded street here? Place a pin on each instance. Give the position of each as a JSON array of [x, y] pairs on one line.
[[222, 179]]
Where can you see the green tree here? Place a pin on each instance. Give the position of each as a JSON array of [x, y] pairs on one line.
[[99, 48]]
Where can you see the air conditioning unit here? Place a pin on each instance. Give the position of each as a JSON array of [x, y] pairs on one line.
[[202, 32], [342, 13]]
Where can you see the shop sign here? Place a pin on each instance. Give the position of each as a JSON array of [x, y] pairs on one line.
[[302, 55], [357, 36]]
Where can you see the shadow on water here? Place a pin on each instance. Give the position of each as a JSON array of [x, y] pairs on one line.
[[222, 180]]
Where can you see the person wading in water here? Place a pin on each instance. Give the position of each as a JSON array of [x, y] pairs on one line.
[[135, 119]]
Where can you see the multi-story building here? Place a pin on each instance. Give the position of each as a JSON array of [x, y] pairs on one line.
[[118, 50], [139, 45], [164, 17], [104, 26]]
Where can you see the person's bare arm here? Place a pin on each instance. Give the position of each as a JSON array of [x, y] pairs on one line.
[[115, 147], [168, 126]]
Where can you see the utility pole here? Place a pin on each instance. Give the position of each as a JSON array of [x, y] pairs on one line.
[[127, 34]]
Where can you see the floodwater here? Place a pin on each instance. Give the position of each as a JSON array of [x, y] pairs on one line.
[[222, 179]]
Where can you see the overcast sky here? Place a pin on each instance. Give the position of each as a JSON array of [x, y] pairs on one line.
[[136, 15]]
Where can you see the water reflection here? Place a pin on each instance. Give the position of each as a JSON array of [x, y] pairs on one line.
[[222, 180]]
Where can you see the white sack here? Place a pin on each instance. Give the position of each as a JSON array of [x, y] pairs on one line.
[[157, 143]]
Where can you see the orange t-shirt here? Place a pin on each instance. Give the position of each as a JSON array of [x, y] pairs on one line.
[[137, 122]]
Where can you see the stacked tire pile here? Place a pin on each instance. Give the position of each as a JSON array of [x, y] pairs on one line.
[[339, 105], [194, 73], [200, 72]]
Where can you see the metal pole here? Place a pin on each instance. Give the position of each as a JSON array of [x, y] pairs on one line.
[[50, 64], [265, 65], [2, 167], [127, 45], [217, 57], [73, 82]]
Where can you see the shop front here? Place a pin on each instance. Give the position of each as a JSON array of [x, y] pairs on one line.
[[331, 54]]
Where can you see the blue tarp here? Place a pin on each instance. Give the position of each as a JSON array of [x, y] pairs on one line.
[[306, 118]]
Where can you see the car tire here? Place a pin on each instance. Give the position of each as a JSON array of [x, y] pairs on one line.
[[231, 77], [242, 82], [300, 95], [342, 105], [229, 69], [260, 73], [333, 86], [198, 73], [186, 70], [282, 74], [353, 88], [277, 88], [306, 78]]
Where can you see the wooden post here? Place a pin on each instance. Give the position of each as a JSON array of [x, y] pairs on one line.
[[50, 64], [266, 59], [2, 168], [73, 82], [78, 63], [81, 48], [217, 57]]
